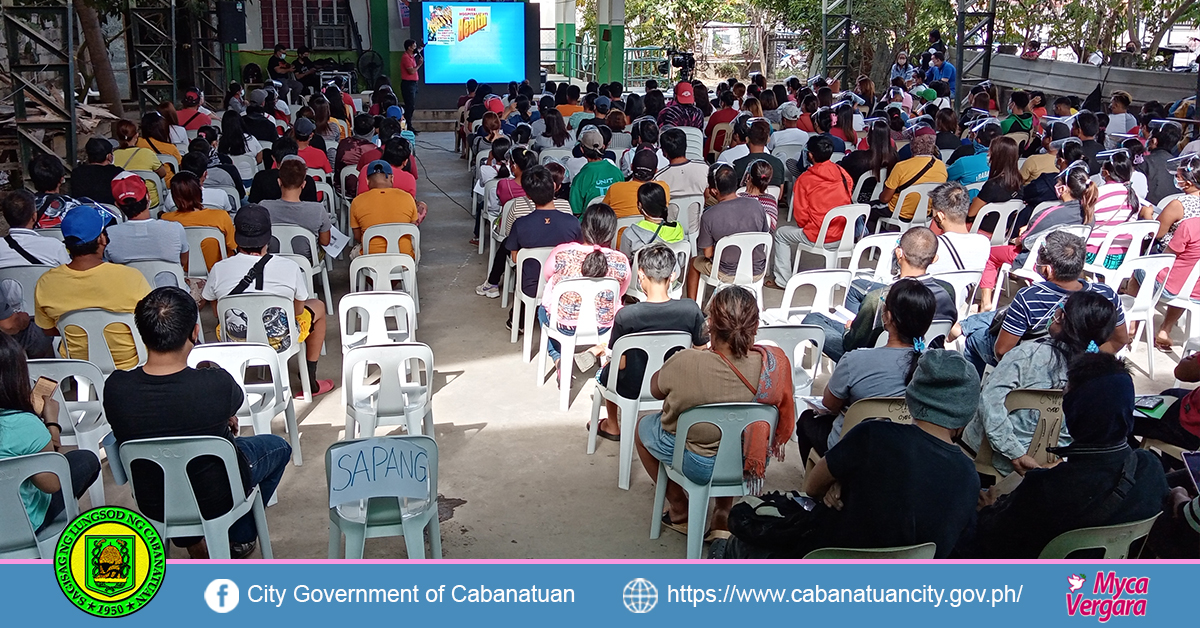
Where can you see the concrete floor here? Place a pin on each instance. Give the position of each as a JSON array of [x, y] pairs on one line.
[[514, 476]]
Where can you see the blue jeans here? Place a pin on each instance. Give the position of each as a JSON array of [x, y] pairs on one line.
[[980, 344], [661, 444], [858, 291], [553, 348], [268, 456], [833, 334]]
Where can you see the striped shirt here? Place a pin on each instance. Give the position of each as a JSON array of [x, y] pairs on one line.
[[1112, 208], [1030, 311]]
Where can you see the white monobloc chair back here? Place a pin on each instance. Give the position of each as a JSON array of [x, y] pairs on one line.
[[824, 281], [686, 209], [849, 214], [727, 476], [964, 283], [695, 143], [392, 233], [255, 306], [159, 273], [522, 300], [1003, 212], [796, 340], [745, 244], [920, 215], [246, 165], [1142, 306], [1133, 235], [181, 511], [383, 515], [370, 310], [556, 155], [399, 397], [682, 250], [17, 532], [656, 346], [196, 237], [287, 237], [862, 181], [261, 402], [82, 419], [382, 269], [885, 244], [93, 322], [587, 327], [27, 277]]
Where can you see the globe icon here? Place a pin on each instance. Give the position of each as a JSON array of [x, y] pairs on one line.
[[640, 596]]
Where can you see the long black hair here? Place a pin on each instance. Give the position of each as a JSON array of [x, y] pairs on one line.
[[1119, 168], [1087, 318], [15, 392], [500, 156], [597, 227], [911, 306], [232, 139]]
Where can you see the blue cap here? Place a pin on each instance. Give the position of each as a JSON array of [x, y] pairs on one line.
[[395, 112], [85, 223], [378, 166]]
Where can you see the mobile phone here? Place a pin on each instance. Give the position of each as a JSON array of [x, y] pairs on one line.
[[1191, 459], [808, 504], [42, 389], [1149, 403]]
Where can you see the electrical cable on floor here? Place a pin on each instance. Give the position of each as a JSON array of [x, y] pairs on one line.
[[439, 188]]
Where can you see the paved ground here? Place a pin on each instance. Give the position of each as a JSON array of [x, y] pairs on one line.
[[515, 479]]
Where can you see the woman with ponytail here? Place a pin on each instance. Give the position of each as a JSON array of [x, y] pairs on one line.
[[1078, 194], [590, 258], [1081, 324], [879, 372], [1116, 203], [758, 178]]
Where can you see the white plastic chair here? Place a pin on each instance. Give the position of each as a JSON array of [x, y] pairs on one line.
[[850, 213], [682, 250], [522, 300], [196, 236], [824, 281], [1133, 234], [732, 419], [965, 282], [796, 340], [587, 329], [392, 233], [622, 225], [862, 183], [724, 131], [82, 419], [937, 329], [1164, 201], [382, 269], [556, 155], [348, 191], [159, 273], [1027, 271], [837, 157], [254, 305], [1003, 211], [398, 398], [93, 322], [152, 179], [17, 532], [686, 209], [745, 243], [920, 215], [695, 143], [181, 511], [246, 165], [261, 402], [656, 345], [286, 235], [1141, 307], [50, 232], [947, 153], [882, 246], [382, 515], [363, 318], [27, 276]]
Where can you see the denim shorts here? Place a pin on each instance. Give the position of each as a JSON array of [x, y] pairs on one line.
[[661, 445], [1140, 275]]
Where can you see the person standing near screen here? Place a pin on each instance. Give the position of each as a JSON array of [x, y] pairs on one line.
[[409, 64]]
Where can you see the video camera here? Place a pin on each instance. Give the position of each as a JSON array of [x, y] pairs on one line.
[[685, 61]]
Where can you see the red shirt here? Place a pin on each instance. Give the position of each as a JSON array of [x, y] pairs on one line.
[[349, 104], [370, 156], [408, 67], [400, 180], [193, 119], [315, 158], [720, 116]]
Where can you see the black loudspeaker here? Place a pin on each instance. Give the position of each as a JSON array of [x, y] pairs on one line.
[[231, 21]]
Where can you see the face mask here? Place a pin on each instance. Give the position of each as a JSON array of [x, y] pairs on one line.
[[1178, 184]]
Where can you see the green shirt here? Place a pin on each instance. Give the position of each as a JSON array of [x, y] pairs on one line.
[[21, 434], [1016, 124], [592, 181]]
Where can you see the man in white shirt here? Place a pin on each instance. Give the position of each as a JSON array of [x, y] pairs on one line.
[[789, 135], [682, 176], [196, 163], [252, 270], [957, 248], [23, 245], [738, 147]]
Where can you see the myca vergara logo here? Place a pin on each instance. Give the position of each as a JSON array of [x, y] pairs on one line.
[[110, 562], [1111, 596]]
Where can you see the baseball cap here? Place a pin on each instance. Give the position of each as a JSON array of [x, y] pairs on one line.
[[603, 103], [258, 97], [85, 223], [494, 104], [304, 127], [591, 138], [378, 166], [927, 94], [252, 227], [684, 93], [395, 112], [10, 298], [128, 186], [191, 97], [790, 111]]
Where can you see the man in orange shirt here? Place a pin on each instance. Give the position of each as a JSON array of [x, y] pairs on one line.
[[822, 187], [382, 204], [572, 105]]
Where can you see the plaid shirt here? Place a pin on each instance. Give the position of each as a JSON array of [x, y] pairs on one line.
[[681, 115]]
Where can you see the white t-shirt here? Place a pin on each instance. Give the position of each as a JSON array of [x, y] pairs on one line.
[[281, 277], [1118, 123], [690, 177], [972, 248], [49, 250], [178, 135], [787, 137], [734, 153], [211, 197], [627, 161]]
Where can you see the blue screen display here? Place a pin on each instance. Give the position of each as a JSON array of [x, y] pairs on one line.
[[484, 41]]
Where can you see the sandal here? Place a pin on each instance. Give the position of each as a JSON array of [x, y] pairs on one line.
[[681, 528], [713, 535], [323, 386], [1165, 348], [601, 433]]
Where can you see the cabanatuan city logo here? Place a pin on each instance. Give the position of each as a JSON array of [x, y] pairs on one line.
[[1112, 596], [110, 562]]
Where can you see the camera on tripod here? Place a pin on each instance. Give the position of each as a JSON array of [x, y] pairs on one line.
[[685, 61]]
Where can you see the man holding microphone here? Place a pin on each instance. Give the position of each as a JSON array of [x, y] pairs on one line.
[[409, 64]]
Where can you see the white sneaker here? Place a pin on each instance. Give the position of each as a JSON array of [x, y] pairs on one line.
[[488, 290]]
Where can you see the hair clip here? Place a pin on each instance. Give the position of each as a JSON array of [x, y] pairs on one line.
[[919, 344], [1093, 347]]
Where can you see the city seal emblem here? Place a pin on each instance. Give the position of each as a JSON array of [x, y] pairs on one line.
[[110, 562]]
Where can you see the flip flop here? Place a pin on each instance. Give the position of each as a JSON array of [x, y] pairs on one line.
[[323, 386], [602, 434], [1167, 348], [681, 528], [716, 534]]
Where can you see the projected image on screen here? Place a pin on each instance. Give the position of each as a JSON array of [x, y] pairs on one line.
[[482, 41]]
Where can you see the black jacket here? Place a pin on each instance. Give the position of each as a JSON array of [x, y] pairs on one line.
[[1160, 175]]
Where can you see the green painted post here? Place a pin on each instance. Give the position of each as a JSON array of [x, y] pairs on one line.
[[381, 38]]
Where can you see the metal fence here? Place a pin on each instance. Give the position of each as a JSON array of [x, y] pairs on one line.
[[578, 60]]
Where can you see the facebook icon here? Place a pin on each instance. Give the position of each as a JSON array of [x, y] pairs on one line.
[[222, 595]]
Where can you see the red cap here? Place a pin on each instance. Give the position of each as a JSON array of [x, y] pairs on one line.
[[494, 104], [683, 93], [128, 185]]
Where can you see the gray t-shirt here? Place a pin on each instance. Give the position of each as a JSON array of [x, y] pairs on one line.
[[867, 373], [137, 240], [737, 215], [311, 216]]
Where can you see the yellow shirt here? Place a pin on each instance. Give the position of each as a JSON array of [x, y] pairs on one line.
[[381, 206], [217, 218], [162, 149], [138, 158], [622, 197], [905, 171], [111, 287], [1037, 166]]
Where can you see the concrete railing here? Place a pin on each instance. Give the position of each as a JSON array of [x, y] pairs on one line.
[[1064, 78]]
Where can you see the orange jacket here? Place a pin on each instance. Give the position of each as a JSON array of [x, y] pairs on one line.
[[821, 188]]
